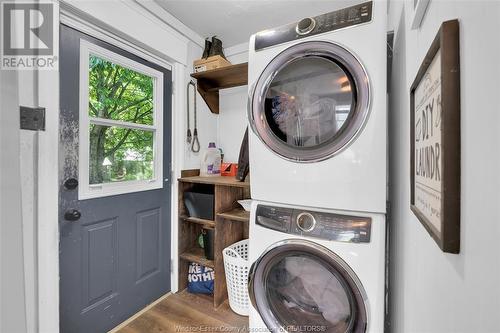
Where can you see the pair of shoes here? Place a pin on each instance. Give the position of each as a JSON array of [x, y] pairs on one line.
[[213, 48]]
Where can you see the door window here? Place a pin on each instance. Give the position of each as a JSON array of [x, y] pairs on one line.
[[120, 124]]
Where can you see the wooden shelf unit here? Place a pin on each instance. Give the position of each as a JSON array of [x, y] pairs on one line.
[[230, 225], [210, 82]]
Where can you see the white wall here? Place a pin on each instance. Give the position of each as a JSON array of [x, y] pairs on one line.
[[18, 205], [432, 291], [232, 119], [228, 127], [206, 122], [12, 288]]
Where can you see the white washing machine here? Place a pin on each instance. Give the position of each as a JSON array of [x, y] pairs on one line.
[[316, 270], [317, 109]]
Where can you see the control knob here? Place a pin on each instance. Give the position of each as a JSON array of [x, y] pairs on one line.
[[306, 222], [305, 26]]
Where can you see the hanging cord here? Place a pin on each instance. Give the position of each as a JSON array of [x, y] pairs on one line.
[[195, 147], [188, 135]]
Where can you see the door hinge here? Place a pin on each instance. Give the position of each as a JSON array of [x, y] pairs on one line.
[[32, 118], [169, 177]]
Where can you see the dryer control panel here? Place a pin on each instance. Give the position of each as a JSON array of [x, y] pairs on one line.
[[336, 227], [310, 26]]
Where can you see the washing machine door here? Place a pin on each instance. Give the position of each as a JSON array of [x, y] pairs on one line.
[[310, 102], [300, 286]]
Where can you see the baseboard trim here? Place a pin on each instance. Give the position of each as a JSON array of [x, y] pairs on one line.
[[129, 320]]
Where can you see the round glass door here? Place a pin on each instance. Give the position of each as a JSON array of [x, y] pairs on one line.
[[299, 286], [310, 101]]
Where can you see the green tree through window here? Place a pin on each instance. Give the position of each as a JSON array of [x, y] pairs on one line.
[[119, 153]]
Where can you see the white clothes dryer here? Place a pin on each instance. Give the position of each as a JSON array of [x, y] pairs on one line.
[[317, 109]]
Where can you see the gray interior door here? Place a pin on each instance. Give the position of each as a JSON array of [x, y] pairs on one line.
[[114, 248]]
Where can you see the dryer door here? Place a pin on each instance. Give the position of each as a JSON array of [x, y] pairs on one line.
[[310, 102], [300, 286]]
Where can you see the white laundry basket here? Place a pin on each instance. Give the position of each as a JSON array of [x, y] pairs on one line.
[[236, 267]]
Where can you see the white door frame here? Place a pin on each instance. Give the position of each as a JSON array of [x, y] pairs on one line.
[[48, 160]]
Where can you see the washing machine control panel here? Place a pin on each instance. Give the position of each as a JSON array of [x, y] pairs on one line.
[[310, 26], [336, 227]]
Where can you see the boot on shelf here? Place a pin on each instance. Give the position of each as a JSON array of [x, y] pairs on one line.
[[216, 48], [207, 50]]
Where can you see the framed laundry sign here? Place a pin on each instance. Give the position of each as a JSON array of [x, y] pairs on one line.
[[435, 139]]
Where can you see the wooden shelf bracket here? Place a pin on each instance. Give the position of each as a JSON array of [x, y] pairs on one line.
[[210, 82]]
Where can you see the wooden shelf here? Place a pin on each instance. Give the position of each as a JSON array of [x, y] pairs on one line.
[[237, 214], [228, 225], [205, 223], [197, 255], [210, 82], [215, 180], [224, 77]]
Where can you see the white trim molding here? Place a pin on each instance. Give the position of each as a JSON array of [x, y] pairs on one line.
[[157, 10], [48, 194], [73, 14], [236, 49], [178, 130], [419, 9]]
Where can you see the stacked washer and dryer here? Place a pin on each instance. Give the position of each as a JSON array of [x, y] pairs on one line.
[[317, 109]]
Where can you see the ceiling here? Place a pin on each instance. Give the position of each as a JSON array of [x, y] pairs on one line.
[[234, 21]]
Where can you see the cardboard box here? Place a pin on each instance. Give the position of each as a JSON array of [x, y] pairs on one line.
[[229, 169], [213, 62]]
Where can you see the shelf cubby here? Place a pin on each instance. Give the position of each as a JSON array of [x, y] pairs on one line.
[[230, 225], [197, 255]]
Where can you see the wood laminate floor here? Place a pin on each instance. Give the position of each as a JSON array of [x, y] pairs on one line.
[[185, 312]]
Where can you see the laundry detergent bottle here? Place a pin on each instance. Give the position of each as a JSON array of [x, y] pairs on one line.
[[211, 161]]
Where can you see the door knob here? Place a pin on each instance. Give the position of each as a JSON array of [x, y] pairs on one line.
[[72, 215], [70, 183]]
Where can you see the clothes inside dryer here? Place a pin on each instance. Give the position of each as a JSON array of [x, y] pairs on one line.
[[308, 102], [302, 291], [298, 285]]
